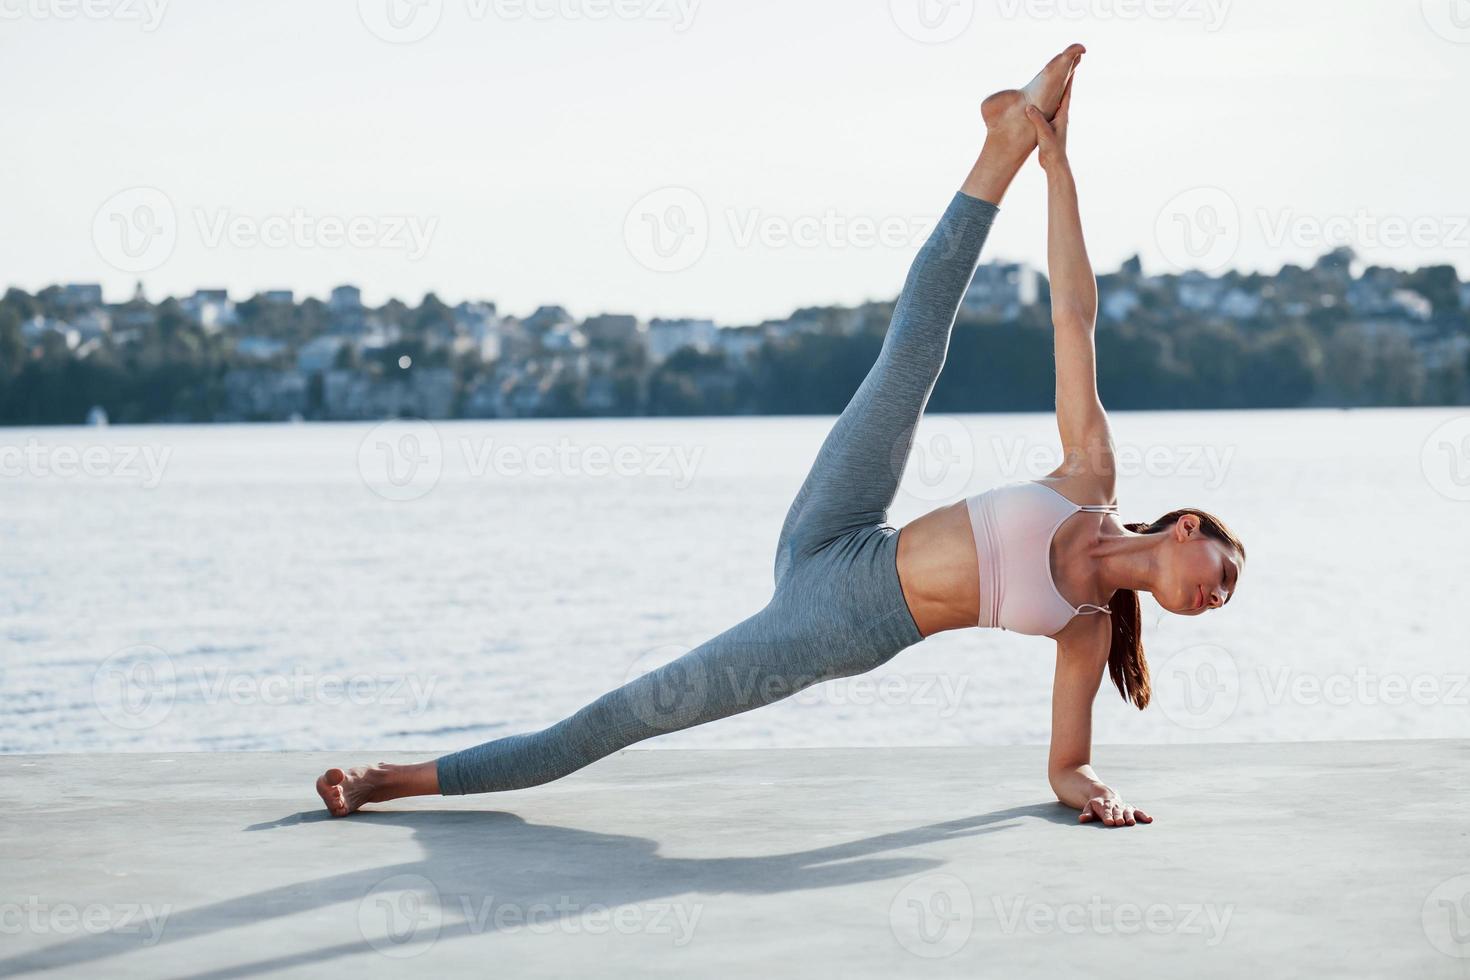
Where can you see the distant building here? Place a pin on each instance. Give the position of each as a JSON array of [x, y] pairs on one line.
[[1336, 266], [1240, 304], [612, 330], [548, 318], [344, 307], [740, 343], [318, 354], [345, 299], [211, 309], [261, 394], [1000, 290], [1371, 294], [1412, 304], [259, 348], [477, 330], [667, 336], [566, 338], [80, 295], [278, 297], [92, 323], [475, 318], [1197, 292], [422, 393], [34, 330], [516, 342], [1117, 298]]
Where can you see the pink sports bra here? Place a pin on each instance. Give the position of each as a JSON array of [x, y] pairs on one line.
[[1014, 526]]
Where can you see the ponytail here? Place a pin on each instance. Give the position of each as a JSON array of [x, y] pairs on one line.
[[1126, 663]]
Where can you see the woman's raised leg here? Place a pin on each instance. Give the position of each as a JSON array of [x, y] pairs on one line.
[[856, 474], [853, 481]]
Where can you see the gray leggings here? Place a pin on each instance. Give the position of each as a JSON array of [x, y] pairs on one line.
[[838, 609]]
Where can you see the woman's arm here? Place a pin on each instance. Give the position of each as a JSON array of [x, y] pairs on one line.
[[1086, 439], [1082, 656]]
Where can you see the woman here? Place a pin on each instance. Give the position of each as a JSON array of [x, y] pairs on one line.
[[851, 591]]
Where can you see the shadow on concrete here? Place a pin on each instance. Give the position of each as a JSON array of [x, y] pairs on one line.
[[476, 861]]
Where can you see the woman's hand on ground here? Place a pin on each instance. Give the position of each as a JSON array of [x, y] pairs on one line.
[[1052, 136], [1111, 811]]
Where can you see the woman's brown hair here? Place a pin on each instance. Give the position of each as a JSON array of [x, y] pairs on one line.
[[1126, 663]]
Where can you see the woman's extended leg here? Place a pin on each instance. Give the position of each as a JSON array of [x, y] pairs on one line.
[[774, 654], [856, 474]]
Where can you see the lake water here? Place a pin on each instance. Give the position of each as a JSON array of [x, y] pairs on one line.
[[421, 587]]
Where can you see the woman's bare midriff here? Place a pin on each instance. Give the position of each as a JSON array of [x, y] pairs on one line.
[[939, 571]]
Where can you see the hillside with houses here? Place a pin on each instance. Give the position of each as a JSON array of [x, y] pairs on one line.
[[1335, 334]]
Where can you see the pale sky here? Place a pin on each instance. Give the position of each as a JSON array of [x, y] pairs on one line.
[[500, 155]]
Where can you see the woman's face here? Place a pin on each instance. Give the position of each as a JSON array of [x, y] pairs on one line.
[[1198, 573]]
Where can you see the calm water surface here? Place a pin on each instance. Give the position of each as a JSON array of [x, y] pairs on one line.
[[418, 587]]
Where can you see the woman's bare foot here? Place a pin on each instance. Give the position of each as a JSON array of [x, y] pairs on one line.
[[346, 791], [1009, 135], [1005, 112]]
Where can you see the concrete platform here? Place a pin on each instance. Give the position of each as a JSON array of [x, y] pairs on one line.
[[1322, 859]]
